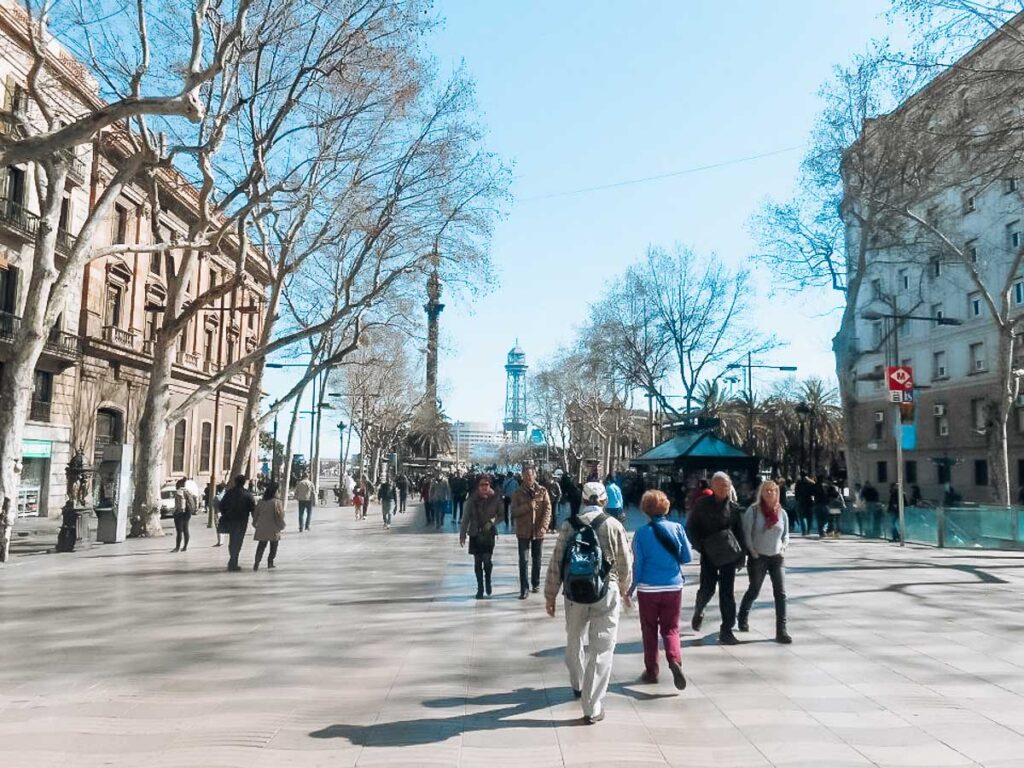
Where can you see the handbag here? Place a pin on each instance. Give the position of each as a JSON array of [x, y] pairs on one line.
[[722, 548]]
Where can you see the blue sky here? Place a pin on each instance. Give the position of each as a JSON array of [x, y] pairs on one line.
[[584, 94], [580, 94]]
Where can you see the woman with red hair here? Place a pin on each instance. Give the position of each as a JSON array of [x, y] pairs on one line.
[[766, 530]]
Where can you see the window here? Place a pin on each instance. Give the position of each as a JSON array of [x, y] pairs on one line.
[[941, 426], [980, 472], [974, 305], [112, 315], [1013, 235], [149, 332], [882, 471], [879, 423], [120, 233], [971, 251], [210, 345], [1020, 422], [1018, 292], [942, 473], [939, 365], [231, 351], [205, 446], [904, 280], [936, 268], [109, 430], [15, 190], [65, 215], [1009, 185], [970, 203], [8, 289], [977, 357], [876, 289], [229, 439], [910, 471], [937, 311], [178, 456], [876, 333], [183, 339], [978, 417], [156, 263]]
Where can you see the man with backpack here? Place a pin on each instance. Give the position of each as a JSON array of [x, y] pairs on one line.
[[592, 566]]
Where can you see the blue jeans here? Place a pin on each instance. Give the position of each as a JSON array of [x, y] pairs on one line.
[[307, 507]]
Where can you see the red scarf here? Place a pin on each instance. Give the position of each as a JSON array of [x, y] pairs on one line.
[[771, 514]]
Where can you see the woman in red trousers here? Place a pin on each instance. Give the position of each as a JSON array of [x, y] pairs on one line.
[[659, 549]]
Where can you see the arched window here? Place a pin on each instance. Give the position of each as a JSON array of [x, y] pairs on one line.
[[109, 430], [229, 442], [205, 446], [178, 456]]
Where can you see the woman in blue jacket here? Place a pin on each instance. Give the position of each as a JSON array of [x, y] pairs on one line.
[[659, 549]]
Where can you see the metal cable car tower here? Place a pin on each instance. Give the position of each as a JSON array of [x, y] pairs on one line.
[[515, 423]]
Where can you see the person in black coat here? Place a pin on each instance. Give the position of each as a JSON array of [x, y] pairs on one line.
[[235, 508], [711, 515]]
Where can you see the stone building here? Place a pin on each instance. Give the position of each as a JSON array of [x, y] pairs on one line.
[[91, 379], [955, 366]]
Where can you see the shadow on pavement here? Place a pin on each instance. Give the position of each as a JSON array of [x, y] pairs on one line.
[[406, 733]]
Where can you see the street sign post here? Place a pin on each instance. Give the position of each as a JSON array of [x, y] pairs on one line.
[[900, 381]]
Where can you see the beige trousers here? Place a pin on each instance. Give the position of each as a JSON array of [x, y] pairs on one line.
[[591, 630]]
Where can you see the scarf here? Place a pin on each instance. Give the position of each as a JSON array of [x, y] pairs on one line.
[[485, 496], [771, 514]]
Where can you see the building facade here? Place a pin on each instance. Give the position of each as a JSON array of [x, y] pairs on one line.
[[90, 383], [476, 442], [908, 287]]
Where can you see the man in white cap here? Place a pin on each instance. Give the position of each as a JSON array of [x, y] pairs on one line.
[[593, 566]]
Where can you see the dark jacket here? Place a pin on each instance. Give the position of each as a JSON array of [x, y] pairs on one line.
[[236, 506], [709, 516], [459, 488]]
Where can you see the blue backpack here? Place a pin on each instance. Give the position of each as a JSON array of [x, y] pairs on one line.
[[584, 568]]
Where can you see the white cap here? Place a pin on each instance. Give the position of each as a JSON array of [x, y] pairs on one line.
[[594, 490]]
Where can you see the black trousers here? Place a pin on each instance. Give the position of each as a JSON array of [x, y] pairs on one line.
[[724, 578], [757, 568], [508, 501], [236, 537], [429, 507], [261, 547], [181, 530], [533, 548], [401, 500], [457, 509], [482, 566]]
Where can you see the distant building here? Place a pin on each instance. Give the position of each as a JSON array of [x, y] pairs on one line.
[[476, 442]]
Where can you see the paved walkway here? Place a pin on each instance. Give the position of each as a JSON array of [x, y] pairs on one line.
[[365, 648]]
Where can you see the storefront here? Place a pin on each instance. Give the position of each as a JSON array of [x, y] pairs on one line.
[[34, 488]]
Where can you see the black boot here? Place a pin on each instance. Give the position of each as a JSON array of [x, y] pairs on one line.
[[781, 635], [487, 579], [478, 569], [743, 622]]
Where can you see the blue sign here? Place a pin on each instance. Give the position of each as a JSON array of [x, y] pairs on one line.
[[537, 437]]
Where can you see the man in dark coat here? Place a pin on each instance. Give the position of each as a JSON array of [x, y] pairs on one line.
[[709, 516], [236, 506]]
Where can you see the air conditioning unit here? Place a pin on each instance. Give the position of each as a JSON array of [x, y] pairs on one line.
[[979, 365], [943, 430], [879, 416], [940, 372], [939, 409]]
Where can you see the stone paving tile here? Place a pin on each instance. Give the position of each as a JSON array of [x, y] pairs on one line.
[[365, 647]]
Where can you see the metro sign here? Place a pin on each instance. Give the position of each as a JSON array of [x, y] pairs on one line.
[[900, 378]]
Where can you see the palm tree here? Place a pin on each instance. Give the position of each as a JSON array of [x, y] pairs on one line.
[[730, 412], [825, 422], [430, 433]]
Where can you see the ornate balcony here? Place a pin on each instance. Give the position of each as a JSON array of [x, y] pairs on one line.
[[188, 360], [119, 337], [40, 411], [60, 346], [65, 242], [14, 216]]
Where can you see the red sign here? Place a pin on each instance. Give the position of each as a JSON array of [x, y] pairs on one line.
[[900, 378]]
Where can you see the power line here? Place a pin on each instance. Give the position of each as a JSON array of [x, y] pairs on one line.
[[684, 172]]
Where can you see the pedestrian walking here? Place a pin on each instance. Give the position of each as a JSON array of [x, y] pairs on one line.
[[367, 490], [659, 549], [715, 529], [480, 525], [804, 493], [235, 508], [507, 489], [220, 491], [440, 499], [591, 565], [305, 492], [386, 494], [185, 505], [402, 485], [460, 491], [571, 495], [357, 500], [531, 509], [268, 520], [894, 511], [766, 531], [615, 505], [428, 507], [555, 495]]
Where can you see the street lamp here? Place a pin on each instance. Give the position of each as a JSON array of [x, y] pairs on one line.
[[750, 389], [889, 318]]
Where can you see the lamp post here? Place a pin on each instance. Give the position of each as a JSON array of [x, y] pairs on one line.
[[889, 318], [750, 366]]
